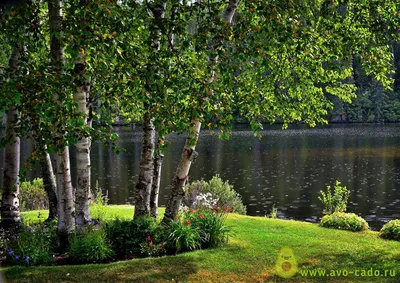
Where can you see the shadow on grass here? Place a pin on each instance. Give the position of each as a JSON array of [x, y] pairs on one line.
[[138, 270], [180, 268]]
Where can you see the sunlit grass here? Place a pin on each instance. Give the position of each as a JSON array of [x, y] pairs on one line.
[[249, 256]]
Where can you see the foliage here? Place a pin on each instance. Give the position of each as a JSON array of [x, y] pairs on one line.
[[212, 226], [344, 221], [98, 206], [182, 236], [257, 239], [90, 246], [274, 212], [32, 195], [126, 236], [336, 201], [33, 245], [391, 230], [153, 250], [202, 193]]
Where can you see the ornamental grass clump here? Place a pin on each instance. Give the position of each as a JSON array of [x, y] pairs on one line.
[[91, 246]]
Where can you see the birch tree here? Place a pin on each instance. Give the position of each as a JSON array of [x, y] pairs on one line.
[[282, 57], [66, 207], [10, 203]]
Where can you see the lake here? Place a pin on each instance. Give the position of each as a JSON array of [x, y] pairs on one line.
[[285, 168]]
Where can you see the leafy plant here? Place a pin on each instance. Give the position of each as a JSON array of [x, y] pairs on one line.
[[182, 236], [32, 195], [336, 201], [126, 236], [344, 221], [214, 192], [274, 212], [212, 227], [153, 250], [90, 246], [98, 207], [391, 230], [32, 245]]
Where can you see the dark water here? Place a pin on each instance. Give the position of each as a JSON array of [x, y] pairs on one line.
[[286, 168]]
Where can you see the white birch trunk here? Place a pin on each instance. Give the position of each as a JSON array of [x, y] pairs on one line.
[[189, 154], [82, 193], [178, 184], [155, 189], [66, 211], [143, 187], [10, 214], [146, 170], [49, 182], [66, 208]]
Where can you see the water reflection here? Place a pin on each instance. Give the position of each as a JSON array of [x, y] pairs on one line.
[[286, 168]]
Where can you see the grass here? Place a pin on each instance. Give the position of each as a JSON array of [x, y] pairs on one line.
[[249, 256]]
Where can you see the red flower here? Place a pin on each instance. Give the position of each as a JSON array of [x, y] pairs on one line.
[[201, 216], [187, 222], [191, 210]]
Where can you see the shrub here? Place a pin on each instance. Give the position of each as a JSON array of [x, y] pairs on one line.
[[182, 236], [33, 245], [336, 202], [98, 207], [90, 246], [150, 249], [344, 221], [391, 230], [32, 195], [126, 236], [202, 193], [211, 224]]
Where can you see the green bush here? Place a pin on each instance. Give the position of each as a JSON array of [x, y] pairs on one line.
[[215, 192], [336, 201], [32, 195], [391, 230], [344, 221], [98, 206], [126, 236], [33, 245], [90, 246], [182, 236], [150, 249], [211, 225]]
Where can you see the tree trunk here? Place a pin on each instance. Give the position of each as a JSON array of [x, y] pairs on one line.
[[178, 184], [10, 203], [189, 154], [66, 211], [82, 193], [4, 119], [66, 208], [49, 182], [155, 189], [143, 188], [10, 215], [146, 170]]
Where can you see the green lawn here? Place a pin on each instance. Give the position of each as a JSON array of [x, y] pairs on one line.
[[249, 256]]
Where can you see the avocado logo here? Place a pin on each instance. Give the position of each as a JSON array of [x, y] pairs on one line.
[[286, 264]]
